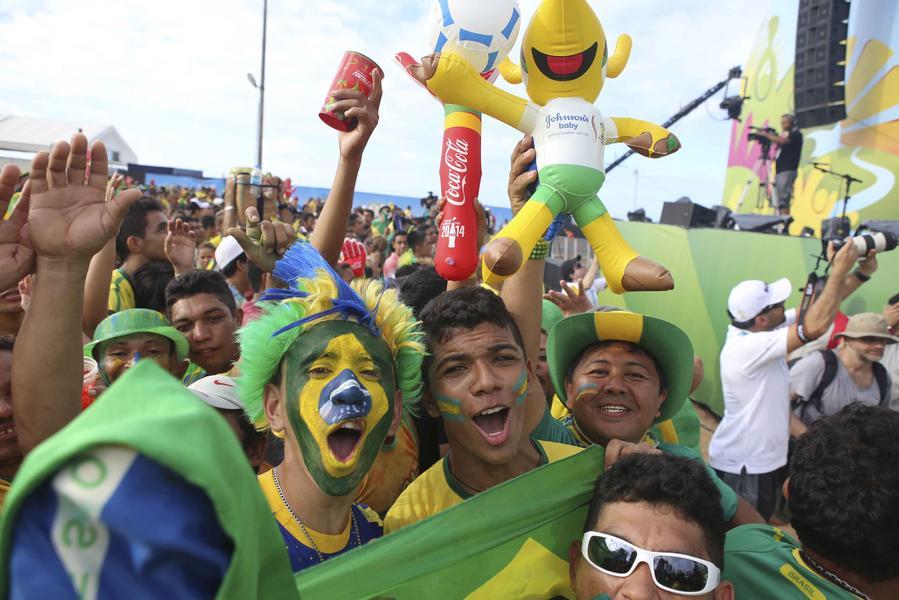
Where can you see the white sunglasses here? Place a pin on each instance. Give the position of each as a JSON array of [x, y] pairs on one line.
[[672, 572]]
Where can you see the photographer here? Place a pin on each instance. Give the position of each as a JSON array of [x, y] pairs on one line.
[[785, 168]]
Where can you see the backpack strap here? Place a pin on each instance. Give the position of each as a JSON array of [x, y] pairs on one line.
[[827, 377], [883, 382]]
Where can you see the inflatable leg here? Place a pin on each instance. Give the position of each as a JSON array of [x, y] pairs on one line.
[[513, 244], [623, 268]]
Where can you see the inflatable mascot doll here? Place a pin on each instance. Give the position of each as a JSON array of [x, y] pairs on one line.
[[327, 368], [564, 63], [482, 34]]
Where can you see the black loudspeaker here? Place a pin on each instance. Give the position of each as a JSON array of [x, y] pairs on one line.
[[687, 214], [819, 91]]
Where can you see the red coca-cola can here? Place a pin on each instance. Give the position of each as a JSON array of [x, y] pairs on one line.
[[355, 73]]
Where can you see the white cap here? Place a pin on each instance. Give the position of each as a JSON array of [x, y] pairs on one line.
[[228, 250], [200, 203], [749, 298], [218, 391], [218, 201]]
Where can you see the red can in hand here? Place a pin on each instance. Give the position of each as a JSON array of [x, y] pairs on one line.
[[354, 73], [460, 181]]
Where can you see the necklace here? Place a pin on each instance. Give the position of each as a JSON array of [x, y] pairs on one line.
[[299, 521], [831, 577]]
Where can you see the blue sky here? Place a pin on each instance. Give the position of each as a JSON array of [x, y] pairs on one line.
[[171, 76]]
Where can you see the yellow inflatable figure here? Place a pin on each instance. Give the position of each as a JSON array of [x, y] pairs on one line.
[[564, 62]]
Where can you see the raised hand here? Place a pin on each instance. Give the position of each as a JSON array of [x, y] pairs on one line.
[[519, 175], [572, 301], [180, 246], [264, 242], [478, 210], [353, 254], [16, 253], [364, 110], [69, 218]]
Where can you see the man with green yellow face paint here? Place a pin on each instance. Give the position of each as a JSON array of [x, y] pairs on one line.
[[327, 368]]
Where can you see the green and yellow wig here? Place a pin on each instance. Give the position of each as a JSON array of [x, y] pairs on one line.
[[318, 294]]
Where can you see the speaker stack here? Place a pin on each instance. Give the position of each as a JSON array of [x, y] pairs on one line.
[[819, 85]]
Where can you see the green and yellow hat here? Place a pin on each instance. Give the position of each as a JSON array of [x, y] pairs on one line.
[[667, 343], [135, 320]]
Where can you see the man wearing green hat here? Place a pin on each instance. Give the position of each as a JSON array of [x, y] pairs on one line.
[[125, 337], [619, 373]]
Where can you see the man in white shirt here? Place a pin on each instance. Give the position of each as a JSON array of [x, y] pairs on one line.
[[749, 448]]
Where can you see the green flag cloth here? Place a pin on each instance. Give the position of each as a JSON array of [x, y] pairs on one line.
[[511, 541]]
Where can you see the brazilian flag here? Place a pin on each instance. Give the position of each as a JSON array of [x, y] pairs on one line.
[[511, 541]]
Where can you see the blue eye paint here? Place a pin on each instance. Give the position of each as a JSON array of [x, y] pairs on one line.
[[344, 398]]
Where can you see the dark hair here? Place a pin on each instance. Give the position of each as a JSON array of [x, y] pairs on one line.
[[635, 348], [683, 484], [207, 221], [135, 224], [464, 308], [199, 282], [844, 490], [7, 342], [353, 218], [406, 271], [231, 268], [416, 238], [421, 287], [150, 282], [893, 300], [254, 276]]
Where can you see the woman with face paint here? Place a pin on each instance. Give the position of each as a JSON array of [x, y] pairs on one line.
[[325, 369]]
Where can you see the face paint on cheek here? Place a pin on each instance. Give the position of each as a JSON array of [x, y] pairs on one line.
[[585, 389], [521, 387], [449, 407]]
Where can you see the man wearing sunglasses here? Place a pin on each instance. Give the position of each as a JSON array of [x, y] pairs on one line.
[[842, 493], [749, 448], [654, 530]]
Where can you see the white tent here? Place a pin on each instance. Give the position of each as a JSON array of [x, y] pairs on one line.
[[22, 137]]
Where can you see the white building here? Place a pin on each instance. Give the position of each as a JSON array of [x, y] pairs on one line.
[[22, 137]]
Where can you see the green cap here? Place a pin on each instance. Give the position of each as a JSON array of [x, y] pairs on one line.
[[135, 320], [552, 314], [666, 342]]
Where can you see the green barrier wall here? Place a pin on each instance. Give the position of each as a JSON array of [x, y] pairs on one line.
[[707, 263]]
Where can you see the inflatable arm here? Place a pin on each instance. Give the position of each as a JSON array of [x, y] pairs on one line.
[[510, 71], [644, 137], [455, 82], [618, 60]]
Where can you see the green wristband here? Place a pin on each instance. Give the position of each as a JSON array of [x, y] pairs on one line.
[[540, 251]]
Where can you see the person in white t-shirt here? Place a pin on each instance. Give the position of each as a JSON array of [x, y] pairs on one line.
[[749, 448], [891, 355]]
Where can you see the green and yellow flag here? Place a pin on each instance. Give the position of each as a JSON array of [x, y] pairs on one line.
[[509, 542]]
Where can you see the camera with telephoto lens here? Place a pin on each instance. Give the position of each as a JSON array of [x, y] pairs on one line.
[[879, 241], [756, 136]]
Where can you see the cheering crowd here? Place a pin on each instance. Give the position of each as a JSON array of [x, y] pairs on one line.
[[162, 364]]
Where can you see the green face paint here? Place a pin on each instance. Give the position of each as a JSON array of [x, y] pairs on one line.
[[585, 389], [336, 455], [521, 387]]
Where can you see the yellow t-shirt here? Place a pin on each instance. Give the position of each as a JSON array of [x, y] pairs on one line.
[[437, 490], [362, 526], [121, 294]]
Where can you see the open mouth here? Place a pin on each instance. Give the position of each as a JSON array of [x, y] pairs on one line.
[[493, 424], [11, 296], [343, 441], [7, 430], [565, 68]]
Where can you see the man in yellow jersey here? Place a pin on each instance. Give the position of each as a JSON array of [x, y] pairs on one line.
[[477, 375], [141, 239]]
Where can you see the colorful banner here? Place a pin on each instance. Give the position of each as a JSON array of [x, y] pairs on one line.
[[509, 542], [864, 145], [707, 263]]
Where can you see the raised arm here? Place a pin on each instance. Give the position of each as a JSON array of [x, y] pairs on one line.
[[523, 291], [822, 312], [16, 254], [99, 275], [327, 237], [69, 222], [643, 137], [454, 81]]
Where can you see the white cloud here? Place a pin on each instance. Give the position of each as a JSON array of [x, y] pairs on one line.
[[171, 76]]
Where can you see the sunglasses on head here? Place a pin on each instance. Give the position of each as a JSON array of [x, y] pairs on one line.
[[672, 572]]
